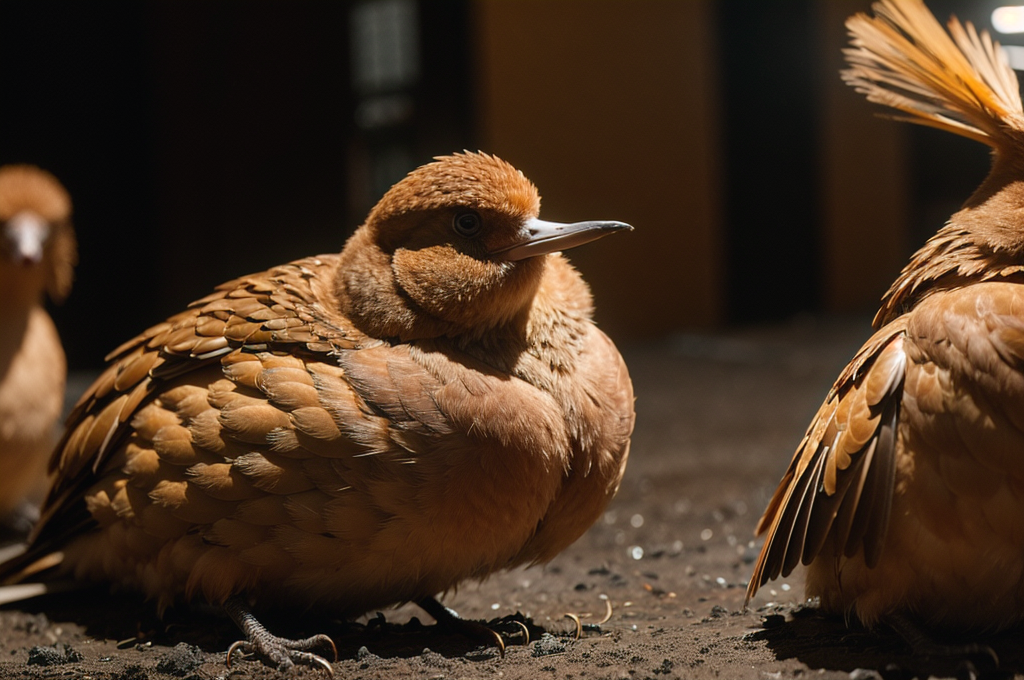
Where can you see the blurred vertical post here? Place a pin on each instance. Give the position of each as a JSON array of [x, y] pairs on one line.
[[864, 179]]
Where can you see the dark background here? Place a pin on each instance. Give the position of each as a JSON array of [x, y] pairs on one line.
[[203, 141]]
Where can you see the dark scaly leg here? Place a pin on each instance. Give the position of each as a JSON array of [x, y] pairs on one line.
[[924, 645], [278, 652], [450, 619]]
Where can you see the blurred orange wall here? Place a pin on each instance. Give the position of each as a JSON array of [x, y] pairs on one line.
[[609, 107]]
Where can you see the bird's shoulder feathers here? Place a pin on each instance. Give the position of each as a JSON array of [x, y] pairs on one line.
[[285, 310]]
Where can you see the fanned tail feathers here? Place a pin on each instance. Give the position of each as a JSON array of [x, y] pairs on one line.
[[958, 81]]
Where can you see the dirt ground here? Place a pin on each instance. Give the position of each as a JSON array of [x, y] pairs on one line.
[[658, 582]]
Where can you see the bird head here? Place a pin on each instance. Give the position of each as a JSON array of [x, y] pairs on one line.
[[455, 247], [37, 242]]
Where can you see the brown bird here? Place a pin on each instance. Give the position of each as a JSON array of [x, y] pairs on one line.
[[37, 256], [906, 494], [345, 432]]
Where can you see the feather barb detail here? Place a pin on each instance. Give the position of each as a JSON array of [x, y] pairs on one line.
[[960, 81]]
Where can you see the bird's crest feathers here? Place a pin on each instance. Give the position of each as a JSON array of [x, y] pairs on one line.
[[959, 81]]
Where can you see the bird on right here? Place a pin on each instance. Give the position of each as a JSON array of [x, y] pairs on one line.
[[905, 498]]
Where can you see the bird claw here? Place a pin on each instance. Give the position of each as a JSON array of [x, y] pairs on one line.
[[923, 645], [271, 649], [980, 650], [499, 641], [526, 631], [284, 653], [473, 629], [579, 624]]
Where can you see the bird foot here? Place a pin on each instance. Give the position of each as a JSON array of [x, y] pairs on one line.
[[283, 653], [924, 645], [280, 653], [475, 630]]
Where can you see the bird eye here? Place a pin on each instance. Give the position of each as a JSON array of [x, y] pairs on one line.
[[466, 224]]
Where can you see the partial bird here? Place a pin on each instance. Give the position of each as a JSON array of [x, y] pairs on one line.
[[346, 432], [37, 258], [905, 496]]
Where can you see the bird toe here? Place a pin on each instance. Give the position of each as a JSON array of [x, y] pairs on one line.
[[283, 653]]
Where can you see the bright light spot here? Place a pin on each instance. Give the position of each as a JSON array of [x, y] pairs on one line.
[[636, 552], [706, 534], [1008, 19], [1014, 55], [785, 586], [720, 581], [637, 521], [495, 606]]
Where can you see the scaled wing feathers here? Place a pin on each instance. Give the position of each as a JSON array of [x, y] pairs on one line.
[[838, 489], [903, 58], [272, 311]]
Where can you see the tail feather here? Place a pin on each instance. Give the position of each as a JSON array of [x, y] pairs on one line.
[[26, 591], [958, 81]]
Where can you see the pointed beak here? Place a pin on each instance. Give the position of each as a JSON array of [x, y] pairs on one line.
[[538, 237], [26, 234]]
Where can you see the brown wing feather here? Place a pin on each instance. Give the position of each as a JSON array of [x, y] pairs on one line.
[[838, 488], [280, 309]]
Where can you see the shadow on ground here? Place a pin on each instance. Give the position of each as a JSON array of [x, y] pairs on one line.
[[828, 643], [129, 621]]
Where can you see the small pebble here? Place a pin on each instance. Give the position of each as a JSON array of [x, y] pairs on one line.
[[864, 674], [432, 659], [181, 660], [547, 645], [53, 656]]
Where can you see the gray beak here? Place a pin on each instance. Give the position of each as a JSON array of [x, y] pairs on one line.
[[26, 233], [538, 237]]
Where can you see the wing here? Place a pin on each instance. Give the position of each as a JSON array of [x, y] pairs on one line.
[[839, 485], [284, 310]]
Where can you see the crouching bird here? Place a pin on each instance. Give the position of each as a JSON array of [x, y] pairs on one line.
[[905, 496], [37, 257], [346, 432]]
